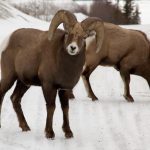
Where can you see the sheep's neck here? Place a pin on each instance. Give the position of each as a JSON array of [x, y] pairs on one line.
[[70, 68]]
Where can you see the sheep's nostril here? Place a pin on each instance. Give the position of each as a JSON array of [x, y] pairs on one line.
[[73, 48]]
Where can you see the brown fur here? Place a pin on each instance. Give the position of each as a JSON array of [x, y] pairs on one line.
[[126, 50], [33, 60], [35, 57]]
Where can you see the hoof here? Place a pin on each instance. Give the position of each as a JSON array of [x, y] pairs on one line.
[[25, 129], [71, 96], [69, 134], [94, 98], [50, 135], [129, 98]]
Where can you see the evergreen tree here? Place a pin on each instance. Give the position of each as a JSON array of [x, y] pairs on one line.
[[136, 17], [107, 11], [128, 9], [117, 3], [131, 12]]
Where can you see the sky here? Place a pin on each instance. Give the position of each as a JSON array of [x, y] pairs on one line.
[[144, 7]]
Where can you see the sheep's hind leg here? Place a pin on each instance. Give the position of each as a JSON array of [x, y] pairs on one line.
[[16, 97], [1, 101], [5, 85], [85, 76], [65, 108], [125, 75], [148, 83]]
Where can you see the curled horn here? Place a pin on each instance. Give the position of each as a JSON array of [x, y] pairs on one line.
[[62, 16], [97, 25]]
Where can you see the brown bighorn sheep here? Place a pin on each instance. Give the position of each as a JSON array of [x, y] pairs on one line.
[[126, 50], [54, 64]]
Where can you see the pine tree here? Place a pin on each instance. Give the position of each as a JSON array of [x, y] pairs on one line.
[[131, 12], [118, 3], [136, 18], [128, 10]]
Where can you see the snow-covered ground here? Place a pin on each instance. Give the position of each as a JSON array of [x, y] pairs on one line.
[[108, 124]]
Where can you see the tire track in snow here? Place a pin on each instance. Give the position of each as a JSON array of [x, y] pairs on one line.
[[121, 119], [113, 125]]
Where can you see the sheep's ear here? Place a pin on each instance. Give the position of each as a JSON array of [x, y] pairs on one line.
[[92, 33], [96, 24]]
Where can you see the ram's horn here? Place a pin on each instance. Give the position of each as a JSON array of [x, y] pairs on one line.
[[62, 16], [97, 25]]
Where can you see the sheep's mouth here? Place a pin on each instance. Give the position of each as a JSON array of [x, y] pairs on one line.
[[72, 52], [73, 49]]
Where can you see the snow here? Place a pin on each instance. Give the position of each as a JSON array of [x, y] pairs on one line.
[[14, 20], [110, 123], [67, 4]]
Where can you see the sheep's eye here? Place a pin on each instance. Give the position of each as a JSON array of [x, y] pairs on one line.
[[66, 35], [85, 36], [92, 33]]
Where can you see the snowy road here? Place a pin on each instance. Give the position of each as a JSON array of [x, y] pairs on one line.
[[108, 124]]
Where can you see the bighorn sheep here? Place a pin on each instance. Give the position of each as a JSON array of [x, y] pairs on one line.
[[126, 50], [53, 60]]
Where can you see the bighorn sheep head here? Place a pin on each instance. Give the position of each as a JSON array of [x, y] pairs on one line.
[[76, 32]]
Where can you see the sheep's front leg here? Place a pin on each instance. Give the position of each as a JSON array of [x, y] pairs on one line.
[[50, 96], [63, 95], [126, 79]]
